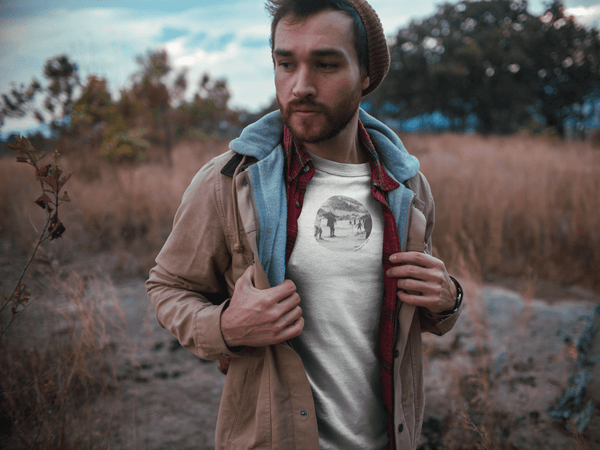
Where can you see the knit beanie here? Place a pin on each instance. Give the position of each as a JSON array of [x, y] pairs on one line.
[[378, 53]]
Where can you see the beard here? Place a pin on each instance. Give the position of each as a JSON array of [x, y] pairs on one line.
[[326, 124]]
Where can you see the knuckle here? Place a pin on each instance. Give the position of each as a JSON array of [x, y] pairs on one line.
[[289, 284], [271, 297], [279, 328], [297, 298], [272, 316], [239, 283]]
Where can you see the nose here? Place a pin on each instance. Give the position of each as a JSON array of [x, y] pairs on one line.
[[304, 85]]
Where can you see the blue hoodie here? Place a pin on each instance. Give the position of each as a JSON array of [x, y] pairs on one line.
[[262, 140]]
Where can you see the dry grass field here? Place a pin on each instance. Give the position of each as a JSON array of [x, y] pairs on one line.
[[514, 206], [507, 208]]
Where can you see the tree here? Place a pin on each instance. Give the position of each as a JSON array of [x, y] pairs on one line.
[[491, 60], [566, 57], [207, 115], [92, 112], [59, 94], [148, 103]]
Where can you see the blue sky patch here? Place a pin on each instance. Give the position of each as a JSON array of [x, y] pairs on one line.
[[197, 39], [168, 34], [255, 42], [217, 44]]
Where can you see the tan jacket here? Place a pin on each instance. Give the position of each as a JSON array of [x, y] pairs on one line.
[[267, 401]]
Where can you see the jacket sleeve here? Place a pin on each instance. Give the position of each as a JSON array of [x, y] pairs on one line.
[[434, 323], [188, 286]]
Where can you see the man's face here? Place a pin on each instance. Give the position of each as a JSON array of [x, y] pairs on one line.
[[318, 79]]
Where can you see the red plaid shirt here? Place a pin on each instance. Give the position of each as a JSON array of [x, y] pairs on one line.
[[299, 170]]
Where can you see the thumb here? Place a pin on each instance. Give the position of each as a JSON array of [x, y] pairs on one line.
[[247, 279]]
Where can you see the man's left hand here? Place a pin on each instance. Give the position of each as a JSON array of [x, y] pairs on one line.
[[423, 281]]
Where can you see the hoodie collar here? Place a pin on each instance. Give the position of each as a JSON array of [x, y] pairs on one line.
[[298, 161], [263, 137]]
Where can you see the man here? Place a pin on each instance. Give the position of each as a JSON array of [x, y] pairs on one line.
[[331, 224], [321, 345]]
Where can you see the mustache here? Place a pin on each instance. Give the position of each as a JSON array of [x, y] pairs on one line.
[[306, 103]]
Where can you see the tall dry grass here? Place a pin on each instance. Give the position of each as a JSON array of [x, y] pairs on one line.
[[509, 205], [56, 362], [126, 210], [517, 205]]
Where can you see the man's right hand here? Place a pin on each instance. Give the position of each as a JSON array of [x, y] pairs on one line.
[[257, 318]]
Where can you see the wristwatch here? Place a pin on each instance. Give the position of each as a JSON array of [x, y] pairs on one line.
[[459, 293]]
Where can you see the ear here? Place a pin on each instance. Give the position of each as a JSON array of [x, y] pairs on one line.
[[366, 83]]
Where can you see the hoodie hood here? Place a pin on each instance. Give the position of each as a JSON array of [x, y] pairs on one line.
[[263, 141], [261, 138]]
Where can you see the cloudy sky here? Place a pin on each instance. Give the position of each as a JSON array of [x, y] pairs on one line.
[[228, 38]]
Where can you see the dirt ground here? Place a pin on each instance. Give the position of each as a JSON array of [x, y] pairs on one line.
[[174, 396], [526, 345]]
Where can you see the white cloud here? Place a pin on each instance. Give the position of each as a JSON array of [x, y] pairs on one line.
[[105, 41], [585, 15]]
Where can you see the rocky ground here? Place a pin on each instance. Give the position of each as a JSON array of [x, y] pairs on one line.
[[507, 364], [527, 349]]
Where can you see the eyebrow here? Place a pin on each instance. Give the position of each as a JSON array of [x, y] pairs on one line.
[[317, 52]]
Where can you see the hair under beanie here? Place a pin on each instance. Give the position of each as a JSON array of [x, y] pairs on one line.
[[378, 53]]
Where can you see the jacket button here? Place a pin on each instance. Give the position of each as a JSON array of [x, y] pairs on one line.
[[306, 168], [400, 428], [297, 203], [396, 353], [303, 413]]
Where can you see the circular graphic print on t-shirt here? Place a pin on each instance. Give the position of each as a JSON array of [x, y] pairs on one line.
[[343, 224]]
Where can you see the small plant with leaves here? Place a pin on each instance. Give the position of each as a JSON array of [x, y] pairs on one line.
[[51, 180]]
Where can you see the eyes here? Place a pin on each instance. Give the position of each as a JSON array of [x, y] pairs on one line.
[[324, 66]]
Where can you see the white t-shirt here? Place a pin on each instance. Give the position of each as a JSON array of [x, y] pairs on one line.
[[337, 268]]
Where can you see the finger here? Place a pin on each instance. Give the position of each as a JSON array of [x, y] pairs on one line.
[[284, 290], [409, 271], [292, 331], [414, 299], [416, 287], [433, 296], [287, 304], [432, 303], [415, 258], [289, 318], [246, 279]]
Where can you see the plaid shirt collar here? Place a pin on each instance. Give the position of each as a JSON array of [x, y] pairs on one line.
[[297, 160]]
